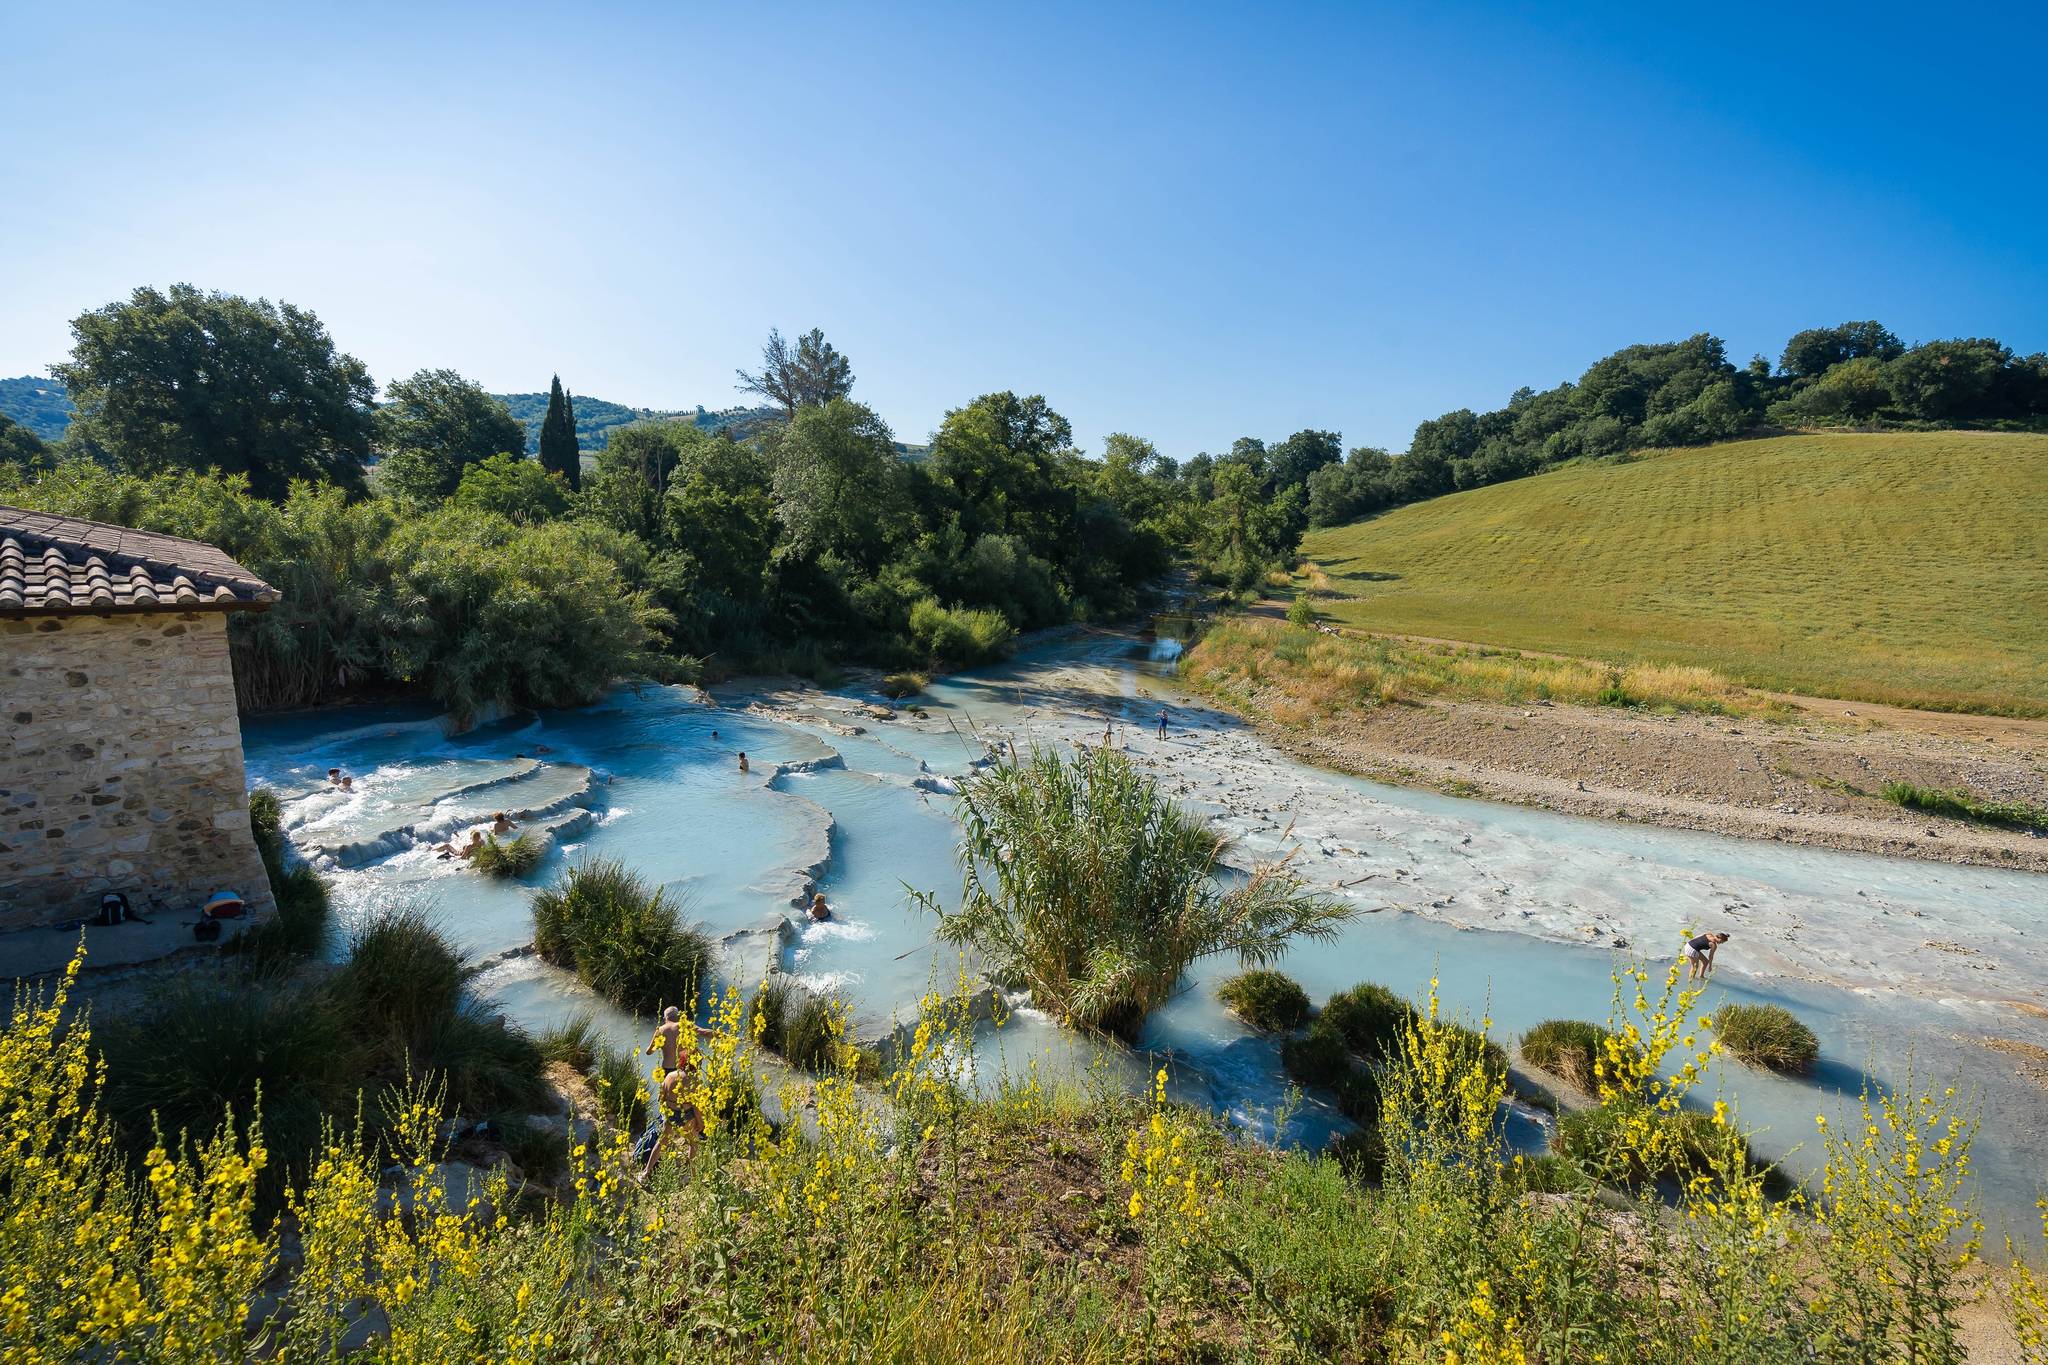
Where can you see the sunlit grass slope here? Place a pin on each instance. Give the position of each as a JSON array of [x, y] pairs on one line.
[[1906, 567]]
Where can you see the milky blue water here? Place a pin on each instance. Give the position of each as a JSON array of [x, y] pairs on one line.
[[651, 777]]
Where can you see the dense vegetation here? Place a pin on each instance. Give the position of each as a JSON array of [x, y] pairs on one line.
[[1767, 1035], [624, 939], [914, 1221], [1687, 393], [459, 568], [1899, 567], [1084, 883]]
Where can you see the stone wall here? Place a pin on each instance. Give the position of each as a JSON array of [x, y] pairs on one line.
[[122, 767]]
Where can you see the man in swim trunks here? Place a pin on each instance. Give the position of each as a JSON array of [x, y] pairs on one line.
[[1699, 955], [671, 1110]]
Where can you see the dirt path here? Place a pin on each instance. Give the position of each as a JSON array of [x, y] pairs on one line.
[[1809, 781]]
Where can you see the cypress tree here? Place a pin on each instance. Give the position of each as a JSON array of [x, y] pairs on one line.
[[558, 453]]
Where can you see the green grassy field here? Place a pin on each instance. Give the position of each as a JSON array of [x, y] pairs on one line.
[[1909, 568]]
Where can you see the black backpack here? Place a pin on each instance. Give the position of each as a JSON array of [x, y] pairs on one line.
[[114, 909]]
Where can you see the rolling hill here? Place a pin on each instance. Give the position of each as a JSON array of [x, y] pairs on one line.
[[37, 402], [1909, 568]]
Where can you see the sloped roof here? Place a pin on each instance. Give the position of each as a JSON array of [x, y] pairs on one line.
[[52, 565]]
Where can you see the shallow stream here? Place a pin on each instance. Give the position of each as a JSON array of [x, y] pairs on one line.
[[651, 777]]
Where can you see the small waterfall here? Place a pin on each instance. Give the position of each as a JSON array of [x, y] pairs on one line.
[[1164, 651]]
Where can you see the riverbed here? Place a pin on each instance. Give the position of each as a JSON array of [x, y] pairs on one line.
[[1521, 914]]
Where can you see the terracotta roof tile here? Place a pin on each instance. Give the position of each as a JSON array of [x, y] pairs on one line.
[[51, 564]]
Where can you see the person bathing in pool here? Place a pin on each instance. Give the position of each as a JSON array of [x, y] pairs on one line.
[[1699, 955]]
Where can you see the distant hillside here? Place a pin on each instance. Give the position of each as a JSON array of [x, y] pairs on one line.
[[596, 418], [1895, 567], [38, 403]]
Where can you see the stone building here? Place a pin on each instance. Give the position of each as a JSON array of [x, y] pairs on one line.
[[121, 768]]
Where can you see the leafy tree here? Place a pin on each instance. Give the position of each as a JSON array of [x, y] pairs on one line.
[[1947, 381], [1302, 454], [810, 376], [838, 484], [633, 472], [1855, 391], [1813, 352], [190, 380], [1245, 532], [719, 518], [513, 487], [20, 446], [449, 423], [996, 463], [559, 451]]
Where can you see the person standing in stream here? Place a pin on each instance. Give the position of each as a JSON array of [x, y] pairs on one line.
[[1699, 955]]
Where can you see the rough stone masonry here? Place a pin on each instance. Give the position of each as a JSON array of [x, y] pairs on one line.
[[123, 767]]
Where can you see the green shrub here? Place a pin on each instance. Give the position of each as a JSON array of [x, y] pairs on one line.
[[621, 1088], [401, 976], [514, 859], [1301, 611], [1321, 1057], [1567, 1048], [490, 1066], [812, 1032], [1767, 1035], [622, 938], [1691, 1143], [958, 635], [768, 1012], [1546, 1174], [574, 1042], [900, 685], [1369, 1018], [1085, 883], [1358, 1096], [1266, 1000], [299, 928], [1362, 1153], [266, 822], [1961, 805], [196, 1046]]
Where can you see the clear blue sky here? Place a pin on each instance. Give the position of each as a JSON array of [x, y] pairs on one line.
[[1192, 222]]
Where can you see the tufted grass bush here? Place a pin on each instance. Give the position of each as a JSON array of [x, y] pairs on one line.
[[574, 1042], [1369, 1018], [1689, 1143], [299, 928], [623, 939], [1767, 1036], [897, 686], [1568, 1048], [813, 1028], [1319, 1057], [1266, 1000], [514, 858]]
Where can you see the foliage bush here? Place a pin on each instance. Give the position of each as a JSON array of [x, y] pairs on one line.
[[1267, 1000], [900, 685], [1767, 1035], [1688, 1144], [957, 635], [1369, 1018], [574, 1042], [299, 928], [1301, 611], [1319, 1057], [880, 1226], [1084, 883], [514, 858], [623, 939], [813, 1032], [1568, 1048]]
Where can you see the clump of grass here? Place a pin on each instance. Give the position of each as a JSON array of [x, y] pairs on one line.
[[1301, 611], [901, 685], [401, 975], [1957, 804], [1084, 882], [299, 928], [1691, 1144], [574, 1042], [1568, 1048], [1318, 1058], [514, 859], [1267, 1000], [812, 1033], [768, 1012], [623, 939], [621, 1088], [1369, 1018], [1768, 1036]]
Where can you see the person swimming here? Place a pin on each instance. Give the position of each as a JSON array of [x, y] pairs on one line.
[[503, 824], [820, 912], [743, 760]]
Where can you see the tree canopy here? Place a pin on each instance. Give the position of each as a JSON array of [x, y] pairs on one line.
[[559, 451], [182, 379], [434, 426], [811, 375]]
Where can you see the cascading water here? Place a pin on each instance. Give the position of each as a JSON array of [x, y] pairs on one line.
[[860, 805]]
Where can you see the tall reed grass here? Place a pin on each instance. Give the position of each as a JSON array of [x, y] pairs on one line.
[[624, 939]]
